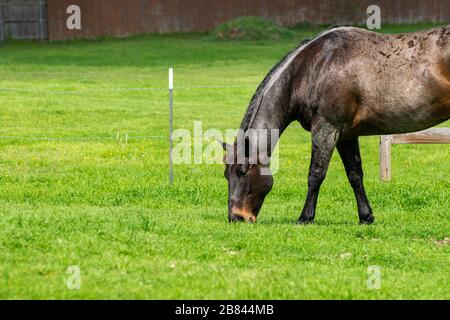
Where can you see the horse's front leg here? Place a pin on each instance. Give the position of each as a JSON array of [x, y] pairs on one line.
[[350, 155], [324, 139]]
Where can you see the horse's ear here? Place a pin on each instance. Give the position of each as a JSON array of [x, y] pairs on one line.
[[224, 144]]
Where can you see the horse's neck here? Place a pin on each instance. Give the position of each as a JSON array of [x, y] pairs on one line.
[[273, 113], [271, 108], [274, 109]]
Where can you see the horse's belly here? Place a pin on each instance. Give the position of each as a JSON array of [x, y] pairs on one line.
[[402, 119]]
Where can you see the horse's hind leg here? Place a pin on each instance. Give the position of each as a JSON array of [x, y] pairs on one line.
[[349, 152], [324, 138]]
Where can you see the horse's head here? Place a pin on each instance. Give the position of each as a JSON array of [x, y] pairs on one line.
[[248, 185]]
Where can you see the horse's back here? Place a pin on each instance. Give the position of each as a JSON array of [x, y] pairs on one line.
[[377, 83]]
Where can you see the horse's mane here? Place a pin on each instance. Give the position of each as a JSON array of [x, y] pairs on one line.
[[255, 101]]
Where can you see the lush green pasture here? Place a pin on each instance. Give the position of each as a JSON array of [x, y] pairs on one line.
[[95, 199]]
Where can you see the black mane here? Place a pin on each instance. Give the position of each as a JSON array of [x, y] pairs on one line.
[[253, 102], [245, 123]]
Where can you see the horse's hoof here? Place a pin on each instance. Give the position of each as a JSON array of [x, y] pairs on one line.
[[305, 221], [367, 220]]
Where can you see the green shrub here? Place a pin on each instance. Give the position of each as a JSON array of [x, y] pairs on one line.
[[250, 28]]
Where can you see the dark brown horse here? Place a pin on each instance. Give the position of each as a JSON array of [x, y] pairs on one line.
[[346, 83]]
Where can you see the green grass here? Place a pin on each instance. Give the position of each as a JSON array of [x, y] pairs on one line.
[[105, 204]]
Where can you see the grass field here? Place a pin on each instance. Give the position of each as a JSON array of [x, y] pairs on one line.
[[95, 200]]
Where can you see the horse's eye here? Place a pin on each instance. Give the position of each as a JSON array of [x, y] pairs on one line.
[[241, 171]]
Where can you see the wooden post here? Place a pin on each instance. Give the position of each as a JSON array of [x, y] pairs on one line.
[[40, 20], [2, 34], [429, 136], [385, 158]]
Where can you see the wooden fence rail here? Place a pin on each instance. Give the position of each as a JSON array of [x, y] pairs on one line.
[[23, 19], [429, 136]]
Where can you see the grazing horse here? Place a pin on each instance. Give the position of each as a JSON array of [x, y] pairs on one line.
[[345, 83]]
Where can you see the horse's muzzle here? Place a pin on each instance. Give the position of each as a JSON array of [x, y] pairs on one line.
[[239, 215]]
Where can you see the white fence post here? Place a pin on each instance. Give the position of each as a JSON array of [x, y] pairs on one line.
[[170, 124]]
